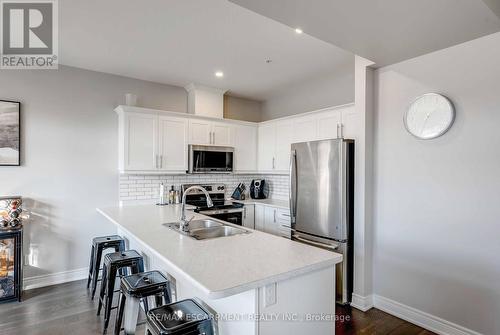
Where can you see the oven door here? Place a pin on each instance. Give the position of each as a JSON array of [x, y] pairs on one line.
[[231, 216], [210, 159]]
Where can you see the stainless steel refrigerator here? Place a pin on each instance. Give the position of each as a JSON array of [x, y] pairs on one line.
[[322, 202]]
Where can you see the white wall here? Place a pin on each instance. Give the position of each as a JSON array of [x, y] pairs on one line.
[[69, 156], [437, 202], [326, 90]]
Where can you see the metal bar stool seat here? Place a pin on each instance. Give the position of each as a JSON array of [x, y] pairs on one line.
[[99, 244], [179, 318], [114, 262], [136, 288]]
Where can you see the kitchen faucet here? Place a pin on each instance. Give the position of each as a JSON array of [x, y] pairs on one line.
[[183, 223]]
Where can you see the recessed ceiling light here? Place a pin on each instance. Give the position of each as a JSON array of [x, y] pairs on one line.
[[298, 31], [219, 74]]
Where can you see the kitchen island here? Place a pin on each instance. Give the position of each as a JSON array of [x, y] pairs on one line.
[[256, 283]]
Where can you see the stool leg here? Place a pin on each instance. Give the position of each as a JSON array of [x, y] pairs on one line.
[[145, 303], [91, 266], [167, 294], [95, 273], [158, 300], [108, 301], [119, 314], [132, 306], [103, 288]]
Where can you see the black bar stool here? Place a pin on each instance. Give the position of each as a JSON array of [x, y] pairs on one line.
[[99, 244], [114, 262], [179, 318], [136, 288]]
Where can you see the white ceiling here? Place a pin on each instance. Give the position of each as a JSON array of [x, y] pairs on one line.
[[386, 31], [182, 41]]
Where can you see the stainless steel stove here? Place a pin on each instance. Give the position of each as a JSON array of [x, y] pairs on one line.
[[222, 209]]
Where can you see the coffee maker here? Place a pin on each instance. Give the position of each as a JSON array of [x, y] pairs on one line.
[[258, 189]]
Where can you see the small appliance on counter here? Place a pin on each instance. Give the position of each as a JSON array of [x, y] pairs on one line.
[[258, 189], [239, 192]]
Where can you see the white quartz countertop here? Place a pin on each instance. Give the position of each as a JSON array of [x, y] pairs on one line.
[[285, 204], [224, 266]]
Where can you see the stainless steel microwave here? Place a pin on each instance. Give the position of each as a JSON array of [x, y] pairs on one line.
[[210, 159]]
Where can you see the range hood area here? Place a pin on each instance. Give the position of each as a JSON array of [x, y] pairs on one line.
[[205, 100]]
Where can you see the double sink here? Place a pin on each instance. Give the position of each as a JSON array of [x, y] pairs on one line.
[[206, 229]]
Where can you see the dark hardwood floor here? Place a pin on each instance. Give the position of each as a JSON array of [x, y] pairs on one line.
[[67, 309], [352, 321]]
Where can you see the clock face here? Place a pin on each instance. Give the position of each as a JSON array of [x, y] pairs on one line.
[[429, 116]]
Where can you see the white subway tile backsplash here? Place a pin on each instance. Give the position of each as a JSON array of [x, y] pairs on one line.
[[143, 187]]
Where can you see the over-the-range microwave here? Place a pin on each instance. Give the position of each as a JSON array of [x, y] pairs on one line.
[[210, 159]]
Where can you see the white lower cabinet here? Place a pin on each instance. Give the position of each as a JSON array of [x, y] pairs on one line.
[[249, 216], [259, 217], [272, 220]]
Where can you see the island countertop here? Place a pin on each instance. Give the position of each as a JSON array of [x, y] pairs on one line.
[[224, 266]]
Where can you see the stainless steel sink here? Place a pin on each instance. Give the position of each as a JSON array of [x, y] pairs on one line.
[[206, 229], [195, 224], [223, 231]]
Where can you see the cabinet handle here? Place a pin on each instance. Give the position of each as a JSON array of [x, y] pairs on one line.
[[156, 161], [274, 165], [161, 161], [340, 130], [214, 137], [244, 212], [275, 216]]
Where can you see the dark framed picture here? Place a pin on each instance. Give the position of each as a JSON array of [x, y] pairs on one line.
[[10, 133]]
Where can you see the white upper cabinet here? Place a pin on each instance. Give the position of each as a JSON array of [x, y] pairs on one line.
[[351, 123], [245, 148], [267, 146], [329, 124], [149, 143], [275, 139], [173, 153], [200, 132], [305, 129], [284, 134], [153, 141], [221, 134], [209, 133], [139, 141]]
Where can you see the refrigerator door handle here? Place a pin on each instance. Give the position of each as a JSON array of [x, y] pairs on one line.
[[293, 186], [314, 243]]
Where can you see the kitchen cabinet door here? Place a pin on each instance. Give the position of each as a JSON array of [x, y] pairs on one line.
[[284, 134], [351, 124], [266, 146], [245, 148], [200, 132], [140, 132], [328, 123], [305, 129], [249, 216], [173, 149], [271, 225], [221, 134], [259, 217]]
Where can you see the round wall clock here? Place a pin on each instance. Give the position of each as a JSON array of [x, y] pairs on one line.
[[429, 116]]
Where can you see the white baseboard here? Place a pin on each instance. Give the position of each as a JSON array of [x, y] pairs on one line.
[[420, 318], [55, 278], [362, 303]]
